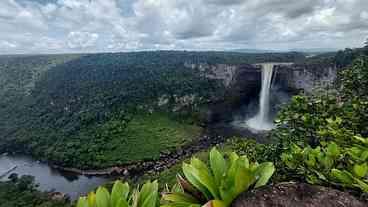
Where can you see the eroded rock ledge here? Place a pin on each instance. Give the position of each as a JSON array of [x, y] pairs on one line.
[[297, 195]]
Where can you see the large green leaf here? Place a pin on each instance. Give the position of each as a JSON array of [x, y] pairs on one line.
[[190, 175], [342, 176], [244, 177], [360, 170], [151, 199], [188, 188], [203, 174], [122, 203], [239, 178], [148, 189], [102, 197], [333, 149], [264, 172], [91, 199], [182, 198], [218, 165], [362, 185], [119, 191], [82, 202]]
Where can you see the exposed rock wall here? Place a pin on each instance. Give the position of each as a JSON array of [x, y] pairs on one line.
[[242, 83], [289, 76], [306, 76], [223, 72]]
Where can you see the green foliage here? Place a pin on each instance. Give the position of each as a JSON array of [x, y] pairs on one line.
[[253, 150], [261, 153], [121, 196], [354, 80], [331, 163], [118, 141], [61, 108], [220, 182], [22, 192], [168, 177], [322, 134], [301, 120]]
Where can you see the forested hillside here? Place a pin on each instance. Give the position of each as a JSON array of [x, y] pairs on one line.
[[101, 110]]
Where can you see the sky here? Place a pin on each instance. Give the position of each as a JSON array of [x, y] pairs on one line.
[[80, 26]]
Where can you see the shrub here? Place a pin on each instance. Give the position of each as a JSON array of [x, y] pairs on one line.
[[121, 196], [219, 183], [332, 164]]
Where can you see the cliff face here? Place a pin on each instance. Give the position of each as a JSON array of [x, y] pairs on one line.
[[223, 72], [245, 80], [306, 77], [289, 76], [242, 83]]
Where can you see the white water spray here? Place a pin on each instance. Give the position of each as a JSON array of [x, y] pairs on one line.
[[261, 121]]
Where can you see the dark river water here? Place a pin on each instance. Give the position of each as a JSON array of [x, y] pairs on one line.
[[51, 179]]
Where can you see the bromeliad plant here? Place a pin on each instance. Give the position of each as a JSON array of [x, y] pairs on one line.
[[121, 196], [219, 183]]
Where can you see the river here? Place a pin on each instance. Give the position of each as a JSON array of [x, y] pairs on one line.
[[50, 179]]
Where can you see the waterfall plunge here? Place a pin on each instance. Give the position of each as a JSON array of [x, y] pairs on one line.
[[261, 121]]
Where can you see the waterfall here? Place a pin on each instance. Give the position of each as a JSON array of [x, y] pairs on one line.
[[261, 120]]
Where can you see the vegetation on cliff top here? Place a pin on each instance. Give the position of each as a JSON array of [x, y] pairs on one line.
[[64, 113], [319, 139]]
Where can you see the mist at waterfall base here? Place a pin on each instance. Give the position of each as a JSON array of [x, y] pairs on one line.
[[258, 115]]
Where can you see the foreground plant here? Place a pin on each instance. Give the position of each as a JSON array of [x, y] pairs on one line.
[[219, 183], [121, 196], [332, 164]]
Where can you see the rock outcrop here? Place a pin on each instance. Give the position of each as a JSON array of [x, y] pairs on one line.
[[298, 195], [242, 83], [290, 76], [305, 77]]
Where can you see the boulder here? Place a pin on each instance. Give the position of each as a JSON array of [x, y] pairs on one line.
[[297, 195]]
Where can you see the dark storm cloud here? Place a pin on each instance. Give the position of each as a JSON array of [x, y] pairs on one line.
[[53, 26], [291, 9], [195, 30]]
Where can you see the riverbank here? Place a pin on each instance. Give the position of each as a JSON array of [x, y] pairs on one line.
[[76, 182], [216, 134], [22, 192], [166, 160]]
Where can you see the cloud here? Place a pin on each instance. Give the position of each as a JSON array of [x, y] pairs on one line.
[[7, 45], [55, 26], [82, 39], [225, 3]]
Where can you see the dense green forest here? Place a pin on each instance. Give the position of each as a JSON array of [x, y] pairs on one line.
[[22, 192], [320, 138], [62, 108]]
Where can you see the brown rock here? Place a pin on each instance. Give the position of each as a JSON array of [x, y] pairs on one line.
[[297, 195]]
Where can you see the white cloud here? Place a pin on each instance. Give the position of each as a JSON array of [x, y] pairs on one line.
[[81, 39], [364, 15], [7, 45], [124, 25]]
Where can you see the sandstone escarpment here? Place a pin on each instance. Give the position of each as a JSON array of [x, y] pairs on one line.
[[242, 83]]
